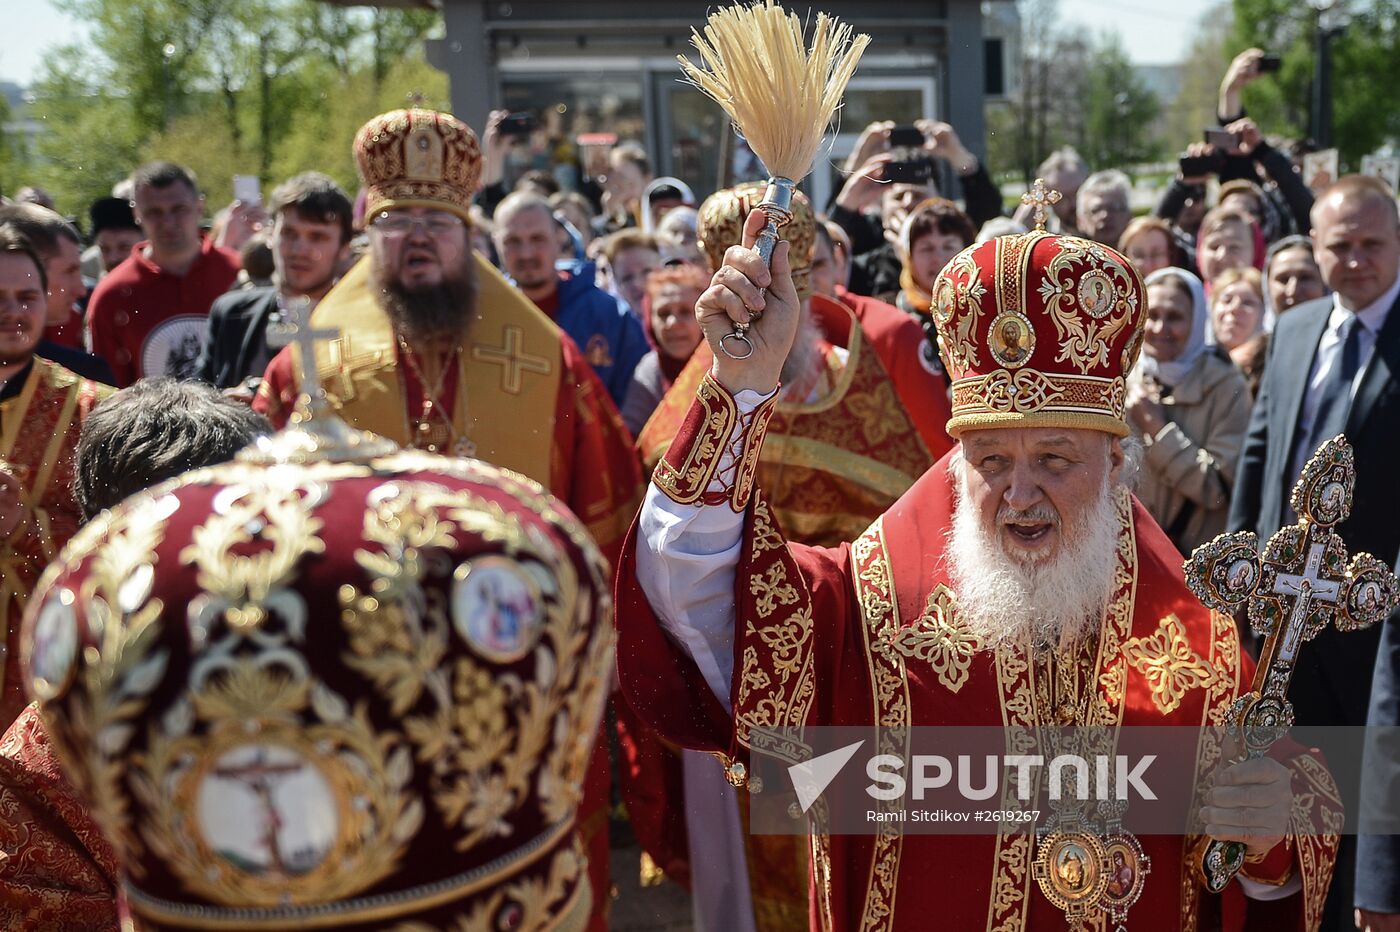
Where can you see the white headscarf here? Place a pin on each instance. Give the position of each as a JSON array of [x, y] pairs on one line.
[[1202, 336]]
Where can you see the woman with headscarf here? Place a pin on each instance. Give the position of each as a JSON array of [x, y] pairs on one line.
[[1190, 407]]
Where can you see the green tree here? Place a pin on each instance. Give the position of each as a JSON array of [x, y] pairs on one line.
[[224, 86], [1365, 71], [1119, 109], [1205, 64], [12, 151]]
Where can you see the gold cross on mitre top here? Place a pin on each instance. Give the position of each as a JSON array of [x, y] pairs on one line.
[[293, 325], [1298, 585], [1041, 199]]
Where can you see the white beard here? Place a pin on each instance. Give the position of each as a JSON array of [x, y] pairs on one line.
[[1035, 604]]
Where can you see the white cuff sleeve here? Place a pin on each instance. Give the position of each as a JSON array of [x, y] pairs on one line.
[[686, 559], [1264, 892]]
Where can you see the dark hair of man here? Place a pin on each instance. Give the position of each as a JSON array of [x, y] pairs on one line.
[[539, 181], [153, 431], [316, 198], [163, 175], [40, 226], [938, 215], [12, 242]]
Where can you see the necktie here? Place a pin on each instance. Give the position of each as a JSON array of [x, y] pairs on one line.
[[1334, 401]]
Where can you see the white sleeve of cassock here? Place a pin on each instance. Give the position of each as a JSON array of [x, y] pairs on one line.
[[686, 560], [1265, 892]]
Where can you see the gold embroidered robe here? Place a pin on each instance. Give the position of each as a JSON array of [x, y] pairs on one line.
[[868, 633]]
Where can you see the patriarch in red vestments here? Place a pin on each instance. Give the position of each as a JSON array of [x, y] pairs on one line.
[[1017, 583]]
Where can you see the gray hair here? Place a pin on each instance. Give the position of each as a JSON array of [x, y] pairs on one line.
[[1066, 159], [516, 203], [1108, 181]]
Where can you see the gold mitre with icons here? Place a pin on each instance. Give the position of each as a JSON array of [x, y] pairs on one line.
[[418, 158], [332, 684], [1039, 330], [720, 225]]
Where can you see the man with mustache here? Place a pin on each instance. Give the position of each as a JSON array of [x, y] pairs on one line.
[[42, 407], [437, 351], [1017, 583]]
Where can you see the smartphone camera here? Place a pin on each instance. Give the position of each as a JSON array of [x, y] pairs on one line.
[[518, 125], [907, 137]]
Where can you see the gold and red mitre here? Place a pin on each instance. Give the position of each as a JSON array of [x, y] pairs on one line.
[[1038, 330], [418, 158], [720, 225], [355, 692]]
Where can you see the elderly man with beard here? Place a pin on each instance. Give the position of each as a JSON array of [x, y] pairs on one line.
[[1017, 583], [437, 351]]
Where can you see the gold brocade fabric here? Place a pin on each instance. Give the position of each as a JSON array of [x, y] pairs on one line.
[[828, 468], [507, 387]]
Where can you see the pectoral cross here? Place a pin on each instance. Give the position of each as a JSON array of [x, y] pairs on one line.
[[1041, 199], [1298, 585], [512, 359], [295, 327]]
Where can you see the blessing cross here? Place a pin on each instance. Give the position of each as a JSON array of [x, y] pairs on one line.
[[294, 326], [512, 359], [1041, 199], [1299, 585]]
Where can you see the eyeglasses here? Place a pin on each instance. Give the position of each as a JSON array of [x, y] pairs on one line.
[[400, 224]]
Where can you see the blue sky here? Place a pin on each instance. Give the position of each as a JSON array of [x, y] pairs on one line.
[[1150, 35]]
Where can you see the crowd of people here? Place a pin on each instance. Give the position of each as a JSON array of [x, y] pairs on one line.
[[562, 333]]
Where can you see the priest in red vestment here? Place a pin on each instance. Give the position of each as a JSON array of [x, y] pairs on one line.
[[42, 406], [858, 420], [1016, 583], [437, 351]]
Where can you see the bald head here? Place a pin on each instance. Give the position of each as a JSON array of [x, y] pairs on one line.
[[527, 240], [1356, 239]]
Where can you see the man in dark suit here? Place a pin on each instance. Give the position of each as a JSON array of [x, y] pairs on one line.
[[1378, 845], [310, 245], [1332, 369]]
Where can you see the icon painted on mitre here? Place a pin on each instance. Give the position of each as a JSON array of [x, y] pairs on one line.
[[54, 648], [267, 811], [497, 608], [1096, 294], [1011, 339]]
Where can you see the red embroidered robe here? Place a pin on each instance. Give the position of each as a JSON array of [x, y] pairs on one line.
[[38, 436], [867, 633]]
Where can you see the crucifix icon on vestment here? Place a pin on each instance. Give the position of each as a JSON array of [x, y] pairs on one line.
[[1297, 586], [1041, 198]]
